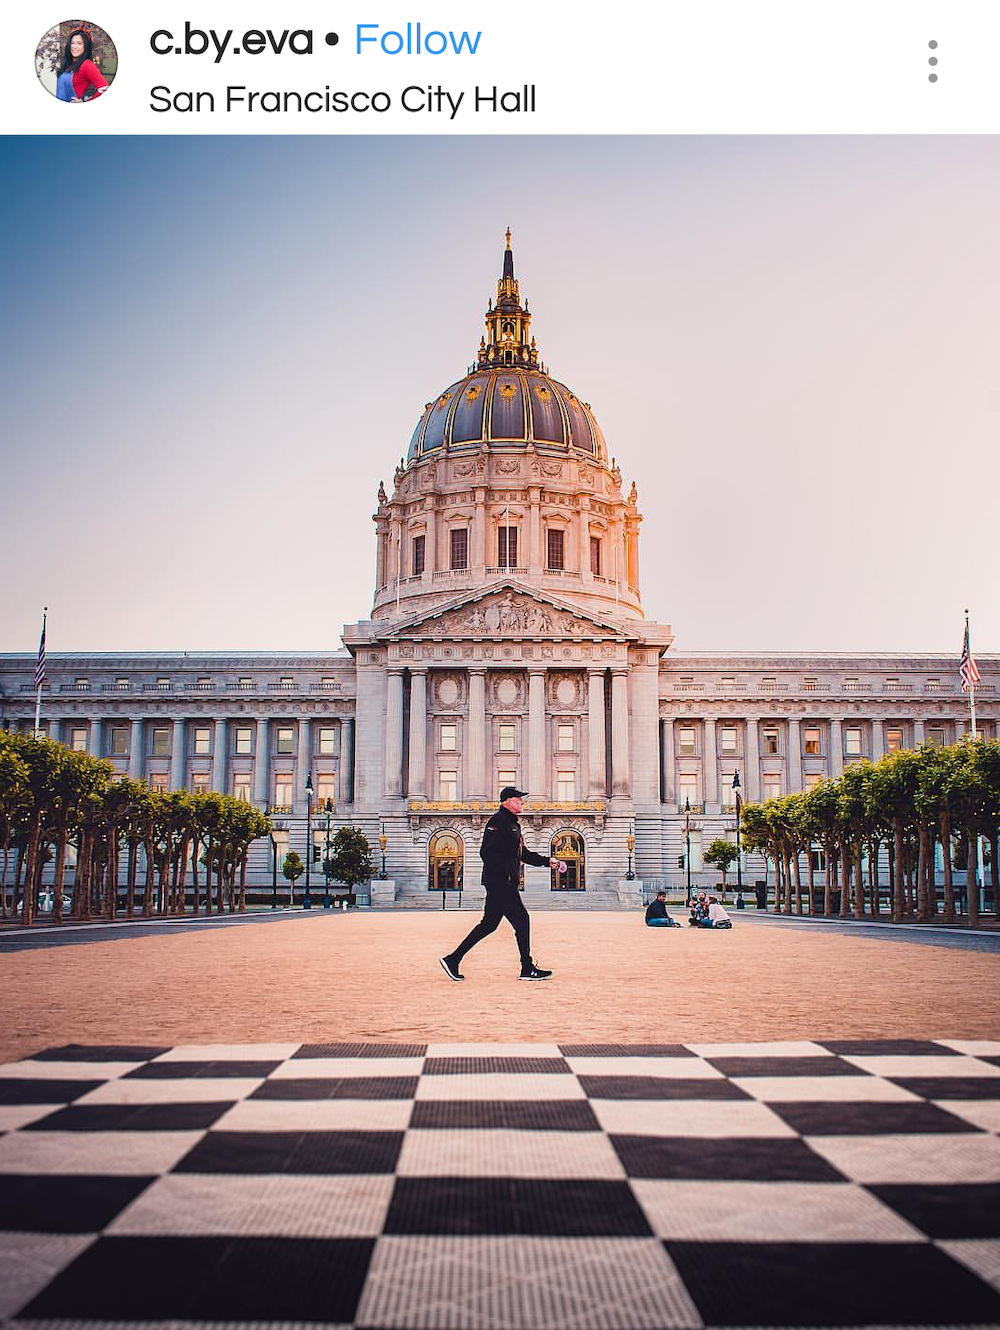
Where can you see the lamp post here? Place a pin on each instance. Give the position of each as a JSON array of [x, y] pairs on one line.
[[326, 861], [307, 899], [383, 841], [739, 854], [630, 842], [274, 870], [687, 837]]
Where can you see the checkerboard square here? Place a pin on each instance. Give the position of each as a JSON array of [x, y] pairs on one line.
[[484, 1114], [335, 1069], [823, 1089], [492, 1206], [688, 1117], [917, 1159], [974, 1047], [767, 1048], [784, 1066], [513, 1283], [981, 1113], [115, 1153], [337, 1087], [316, 1152], [30, 1260], [202, 1204], [853, 1119], [34, 1090], [508, 1154], [658, 1087], [684, 1068], [497, 1050], [172, 1070], [71, 1203], [981, 1256], [475, 1066], [298, 1115], [30, 1069], [943, 1065], [228, 1053], [626, 1050], [359, 1050], [950, 1087], [102, 1053], [966, 1210], [831, 1284], [15, 1116], [745, 1159], [196, 1090], [131, 1117], [523, 1086], [210, 1278], [887, 1047], [785, 1211]]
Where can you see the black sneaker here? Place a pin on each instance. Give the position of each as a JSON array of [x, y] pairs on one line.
[[450, 968], [533, 972]]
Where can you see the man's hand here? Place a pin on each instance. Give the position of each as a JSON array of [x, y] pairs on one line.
[[558, 863]]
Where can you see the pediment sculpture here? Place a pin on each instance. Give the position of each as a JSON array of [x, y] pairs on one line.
[[512, 615]]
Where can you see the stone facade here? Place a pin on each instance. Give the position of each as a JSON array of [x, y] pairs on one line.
[[506, 644]]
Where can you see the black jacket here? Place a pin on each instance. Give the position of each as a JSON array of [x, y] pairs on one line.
[[503, 851], [656, 910]]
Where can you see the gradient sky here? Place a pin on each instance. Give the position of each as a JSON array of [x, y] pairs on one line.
[[215, 348]]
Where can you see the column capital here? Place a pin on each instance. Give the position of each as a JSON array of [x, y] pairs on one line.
[[418, 669], [394, 669], [537, 670], [477, 669], [596, 669], [620, 669]]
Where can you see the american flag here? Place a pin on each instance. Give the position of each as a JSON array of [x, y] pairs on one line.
[[968, 670], [40, 662]]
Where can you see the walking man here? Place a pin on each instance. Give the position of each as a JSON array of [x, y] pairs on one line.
[[502, 853]]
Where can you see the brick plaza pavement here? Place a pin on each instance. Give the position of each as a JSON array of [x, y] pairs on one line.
[[774, 1126]]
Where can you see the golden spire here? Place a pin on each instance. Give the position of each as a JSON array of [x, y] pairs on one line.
[[508, 237]]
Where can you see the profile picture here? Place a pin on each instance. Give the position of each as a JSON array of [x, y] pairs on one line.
[[76, 61]]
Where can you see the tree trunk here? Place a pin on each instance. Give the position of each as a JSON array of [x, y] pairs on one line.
[[59, 874], [797, 880], [3, 878], [28, 901], [147, 893], [243, 878], [208, 875], [777, 883], [827, 883], [972, 878], [845, 879], [133, 864], [899, 869], [923, 909], [195, 889], [948, 913], [859, 886]]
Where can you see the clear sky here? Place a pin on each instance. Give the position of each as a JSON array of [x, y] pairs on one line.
[[215, 348]]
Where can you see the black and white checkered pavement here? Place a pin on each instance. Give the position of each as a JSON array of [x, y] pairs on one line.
[[473, 1186]]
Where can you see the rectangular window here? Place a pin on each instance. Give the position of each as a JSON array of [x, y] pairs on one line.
[[687, 788], [728, 681], [202, 740], [936, 737], [284, 740], [245, 682], [448, 786], [507, 547], [163, 683], [78, 741], [242, 786], [199, 782], [119, 741], [244, 740], [595, 555], [811, 741], [565, 786], [771, 785], [686, 741], [204, 681], [505, 778], [554, 550], [418, 550], [326, 788], [283, 790], [566, 738], [811, 779], [507, 736], [449, 736], [770, 740], [893, 741], [327, 739], [286, 681], [160, 743], [159, 780], [727, 739], [852, 741], [459, 547]]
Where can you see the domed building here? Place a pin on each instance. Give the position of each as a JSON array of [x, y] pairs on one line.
[[506, 645]]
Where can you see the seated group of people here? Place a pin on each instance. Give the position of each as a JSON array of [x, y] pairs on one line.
[[704, 913]]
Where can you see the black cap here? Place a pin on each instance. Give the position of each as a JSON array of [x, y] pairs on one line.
[[508, 792]]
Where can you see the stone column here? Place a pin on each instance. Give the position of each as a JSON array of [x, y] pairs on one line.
[[794, 755], [261, 763], [918, 733], [537, 757], [418, 734], [220, 756], [667, 758], [430, 543], [347, 760], [394, 733], [303, 765], [96, 737], [753, 760], [597, 767], [836, 747], [178, 752], [710, 766], [478, 558], [536, 555], [475, 759], [878, 739], [54, 728], [582, 539], [619, 733], [136, 762]]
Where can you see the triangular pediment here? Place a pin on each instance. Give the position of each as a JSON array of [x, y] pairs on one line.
[[504, 610]]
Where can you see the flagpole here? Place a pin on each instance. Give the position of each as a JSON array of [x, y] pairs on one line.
[[40, 674]]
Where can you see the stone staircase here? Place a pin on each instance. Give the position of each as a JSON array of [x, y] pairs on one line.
[[419, 898]]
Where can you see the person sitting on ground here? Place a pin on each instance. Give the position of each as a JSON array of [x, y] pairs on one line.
[[656, 913], [699, 909], [717, 915]]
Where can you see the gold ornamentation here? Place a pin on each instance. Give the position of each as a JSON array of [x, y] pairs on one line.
[[445, 397], [543, 393], [473, 391], [507, 390]]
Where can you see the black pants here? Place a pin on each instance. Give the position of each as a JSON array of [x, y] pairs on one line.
[[506, 904]]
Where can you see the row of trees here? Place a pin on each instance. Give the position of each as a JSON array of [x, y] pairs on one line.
[[912, 803], [191, 848]]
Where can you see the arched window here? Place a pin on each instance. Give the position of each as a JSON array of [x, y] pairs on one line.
[[568, 846], [445, 860]]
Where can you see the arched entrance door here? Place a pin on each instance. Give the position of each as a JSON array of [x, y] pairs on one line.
[[568, 846], [445, 860]]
